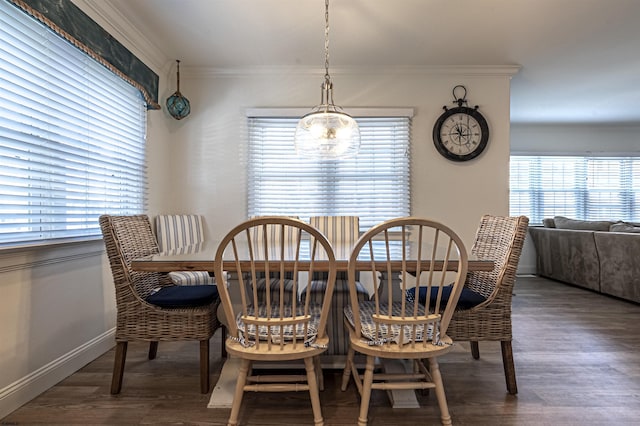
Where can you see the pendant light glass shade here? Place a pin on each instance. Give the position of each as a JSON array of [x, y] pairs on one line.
[[327, 132], [327, 135]]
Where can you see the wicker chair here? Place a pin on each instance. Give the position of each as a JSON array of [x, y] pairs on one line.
[[274, 328], [149, 306], [500, 239], [390, 327]]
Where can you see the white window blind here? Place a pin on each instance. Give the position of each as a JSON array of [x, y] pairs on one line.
[[374, 185], [579, 187], [72, 137]]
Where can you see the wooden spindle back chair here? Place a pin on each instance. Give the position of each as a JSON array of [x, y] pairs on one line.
[[266, 325], [409, 324]]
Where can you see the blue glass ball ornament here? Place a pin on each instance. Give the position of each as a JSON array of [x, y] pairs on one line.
[[178, 106]]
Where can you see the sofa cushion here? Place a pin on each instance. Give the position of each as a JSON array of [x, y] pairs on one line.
[[562, 222], [189, 296], [549, 222], [624, 227]]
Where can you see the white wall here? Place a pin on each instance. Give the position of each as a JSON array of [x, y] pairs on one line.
[[209, 146], [57, 305], [57, 308], [575, 138], [56, 313]]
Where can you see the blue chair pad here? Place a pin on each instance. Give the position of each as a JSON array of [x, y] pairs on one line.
[[184, 296]]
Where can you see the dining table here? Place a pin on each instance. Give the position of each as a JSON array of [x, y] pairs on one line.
[[200, 257]]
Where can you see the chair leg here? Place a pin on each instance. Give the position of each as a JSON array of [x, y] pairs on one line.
[[118, 367], [309, 365], [204, 366], [243, 372], [347, 369], [319, 374], [224, 341], [153, 350], [365, 396], [475, 350], [509, 366], [440, 395]]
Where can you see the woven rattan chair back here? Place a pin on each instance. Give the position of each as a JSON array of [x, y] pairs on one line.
[[272, 327], [410, 324], [498, 238], [131, 237]]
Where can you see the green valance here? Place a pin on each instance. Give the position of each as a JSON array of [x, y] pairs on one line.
[[66, 19]]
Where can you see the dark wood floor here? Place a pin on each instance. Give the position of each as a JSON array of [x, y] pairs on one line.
[[577, 358]]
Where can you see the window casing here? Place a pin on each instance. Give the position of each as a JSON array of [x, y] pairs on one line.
[[72, 137], [374, 185], [579, 187]]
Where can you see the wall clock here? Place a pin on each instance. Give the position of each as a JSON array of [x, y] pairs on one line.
[[460, 133]]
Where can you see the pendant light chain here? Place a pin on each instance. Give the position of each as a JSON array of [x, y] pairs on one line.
[[327, 78], [327, 132]]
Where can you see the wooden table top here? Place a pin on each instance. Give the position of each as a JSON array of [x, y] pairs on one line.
[[200, 258]]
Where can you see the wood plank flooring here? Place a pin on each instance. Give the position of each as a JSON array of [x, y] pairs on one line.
[[577, 357]]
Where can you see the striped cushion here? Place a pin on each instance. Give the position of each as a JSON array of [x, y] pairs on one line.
[[191, 278], [273, 235], [384, 333], [274, 289], [341, 231], [175, 232], [249, 330]]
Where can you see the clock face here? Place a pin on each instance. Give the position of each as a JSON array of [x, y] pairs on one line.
[[461, 134]]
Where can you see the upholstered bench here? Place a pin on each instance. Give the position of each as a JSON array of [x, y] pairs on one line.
[[176, 232], [342, 232], [338, 337]]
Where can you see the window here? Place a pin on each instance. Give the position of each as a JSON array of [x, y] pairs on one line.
[[579, 187], [374, 185], [72, 137]]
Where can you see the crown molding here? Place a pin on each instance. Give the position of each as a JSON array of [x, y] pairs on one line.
[[120, 27], [462, 70]]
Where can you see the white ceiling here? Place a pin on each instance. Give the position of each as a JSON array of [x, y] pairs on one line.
[[580, 59]]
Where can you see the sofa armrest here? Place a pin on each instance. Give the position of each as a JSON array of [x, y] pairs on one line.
[[567, 255], [619, 264]]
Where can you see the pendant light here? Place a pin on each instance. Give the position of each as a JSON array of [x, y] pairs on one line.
[[327, 132], [177, 105]]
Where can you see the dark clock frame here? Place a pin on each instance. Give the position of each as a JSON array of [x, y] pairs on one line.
[[484, 137]]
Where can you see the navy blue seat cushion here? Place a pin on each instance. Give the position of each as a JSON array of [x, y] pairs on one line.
[[468, 298], [184, 296]]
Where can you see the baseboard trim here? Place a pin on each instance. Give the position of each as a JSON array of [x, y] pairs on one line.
[[28, 387]]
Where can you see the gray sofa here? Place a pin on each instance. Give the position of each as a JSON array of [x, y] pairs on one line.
[[599, 255]]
